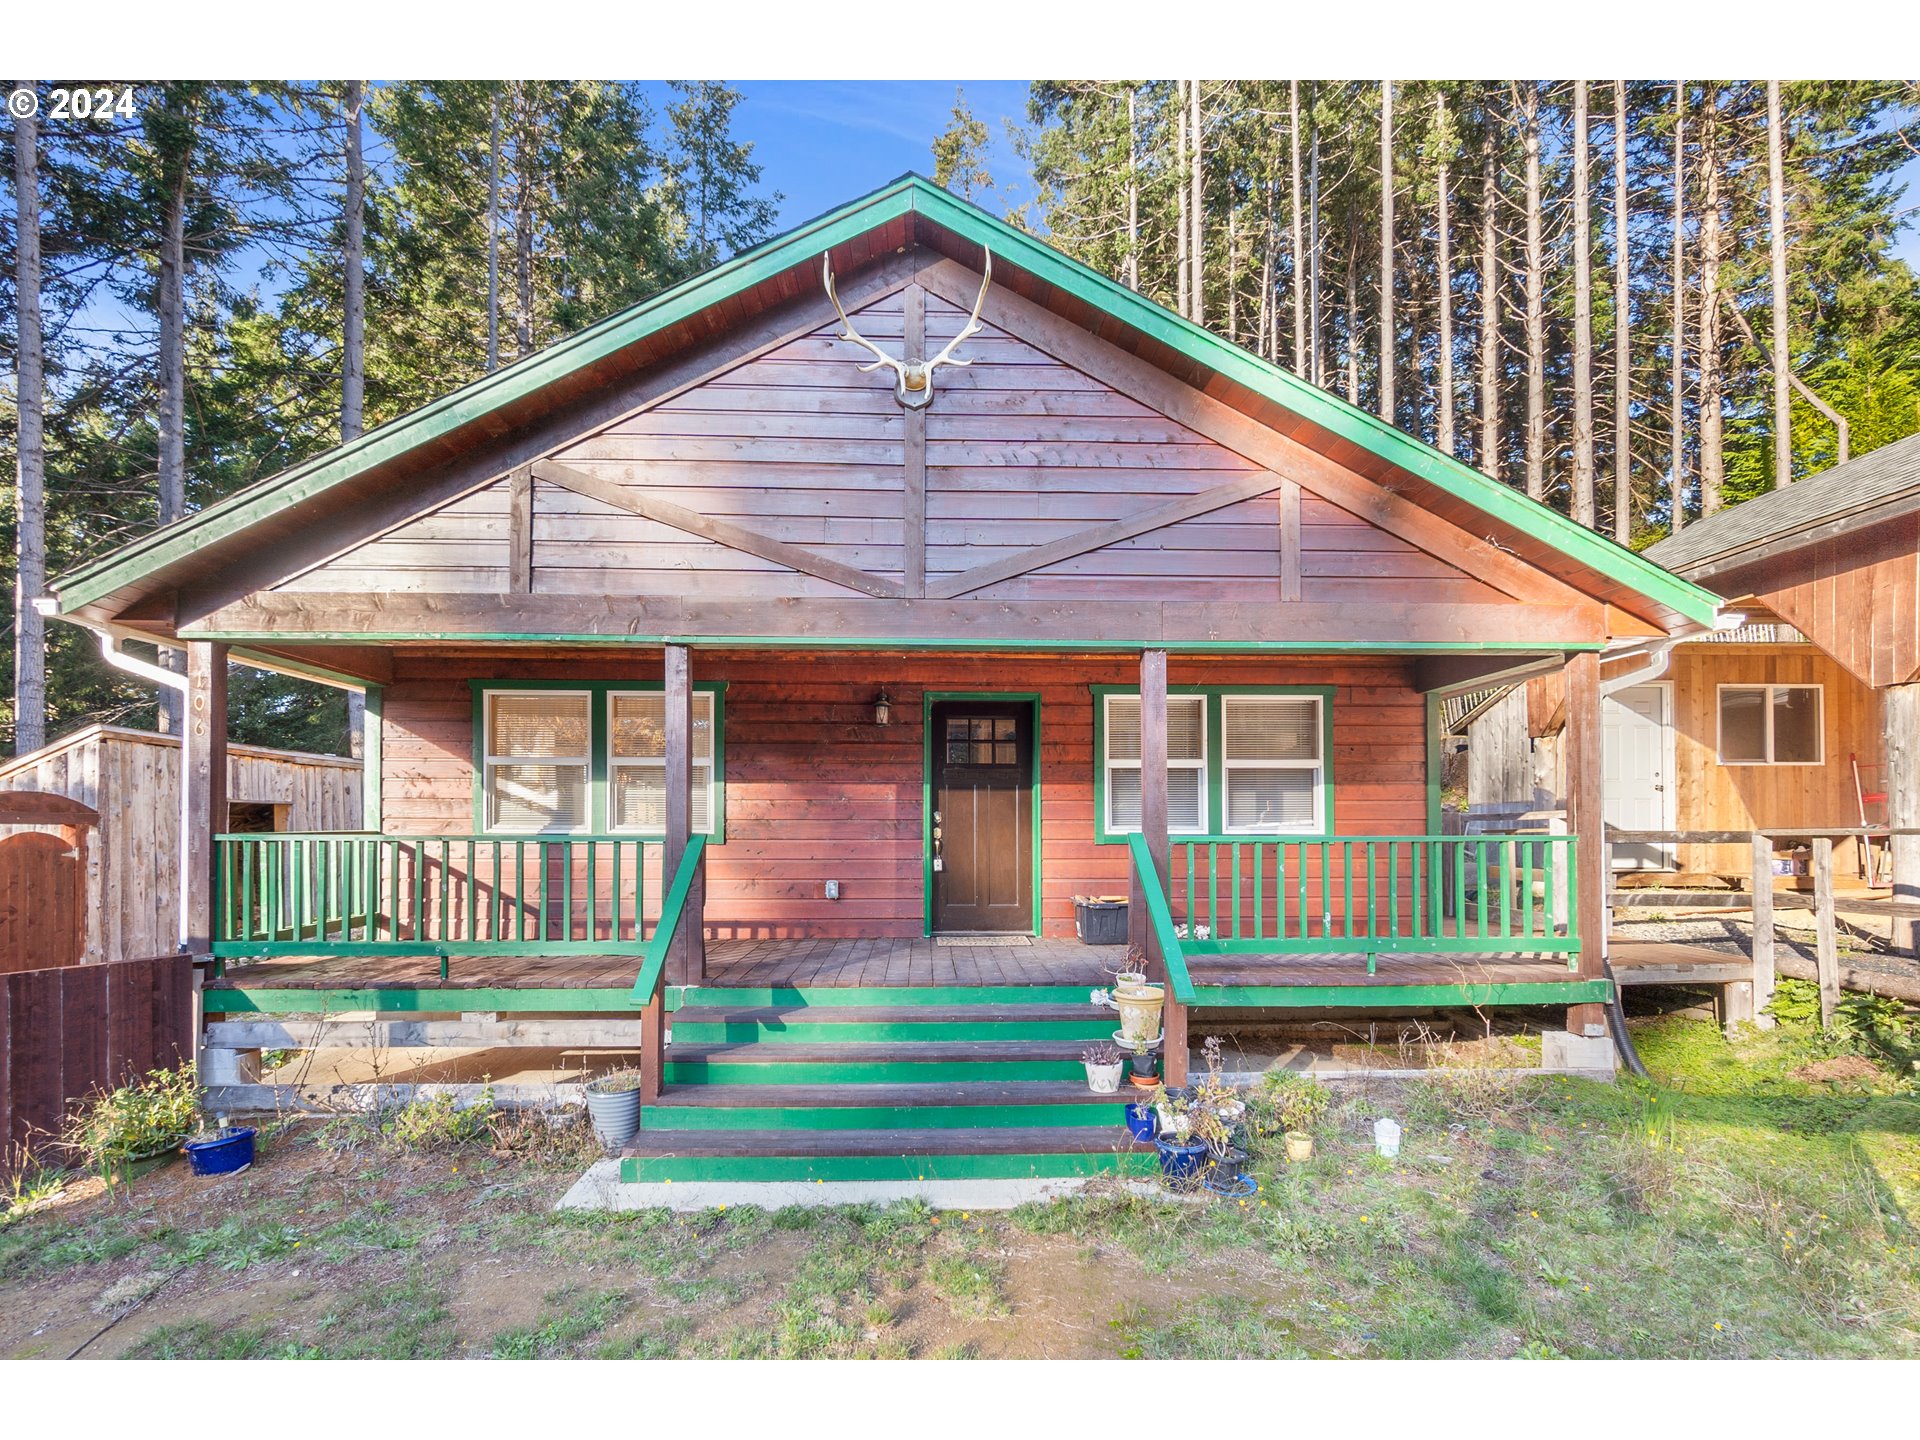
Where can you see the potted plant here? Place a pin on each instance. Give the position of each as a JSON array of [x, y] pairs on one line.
[[1221, 1169], [1141, 1063], [1182, 1153], [1298, 1102], [224, 1151], [613, 1103], [1103, 1062]]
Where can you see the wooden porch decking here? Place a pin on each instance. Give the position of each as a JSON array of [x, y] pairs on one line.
[[880, 962]]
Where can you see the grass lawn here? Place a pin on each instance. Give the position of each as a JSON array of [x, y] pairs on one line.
[[1730, 1210]]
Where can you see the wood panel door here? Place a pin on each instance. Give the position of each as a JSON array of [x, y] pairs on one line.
[[1638, 743], [982, 821], [43, 902]]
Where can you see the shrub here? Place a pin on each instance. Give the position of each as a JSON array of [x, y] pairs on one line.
[[440, 1122], [1287, 1100], [147, 1116]]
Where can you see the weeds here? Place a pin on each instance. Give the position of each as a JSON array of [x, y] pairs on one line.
[[143, 1118]]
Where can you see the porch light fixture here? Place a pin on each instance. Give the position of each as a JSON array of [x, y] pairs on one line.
[[882, 709]]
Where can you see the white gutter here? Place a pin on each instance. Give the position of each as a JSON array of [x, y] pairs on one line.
[[111, 652], [1660, 652]]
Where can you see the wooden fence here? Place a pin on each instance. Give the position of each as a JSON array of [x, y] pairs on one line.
[[67, 1031]]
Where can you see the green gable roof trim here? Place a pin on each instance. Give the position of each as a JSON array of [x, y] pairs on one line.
[[911, 194]]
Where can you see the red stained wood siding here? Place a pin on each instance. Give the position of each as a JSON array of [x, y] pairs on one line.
[[815, 791]]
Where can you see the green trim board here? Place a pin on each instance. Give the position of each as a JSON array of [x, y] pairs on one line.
[[1374, 997], [871, 996], [250, 999], [1436, 729], [1008, 1115], [739, 1168], [891, 644], [1215, 762], [928, 700], [909, 195], [598, 742]]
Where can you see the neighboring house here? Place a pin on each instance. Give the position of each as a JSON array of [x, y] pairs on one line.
[[1780, 722], [132, 778], [877, 688]]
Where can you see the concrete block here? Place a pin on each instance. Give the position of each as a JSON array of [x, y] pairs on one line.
[[1564, 1053]]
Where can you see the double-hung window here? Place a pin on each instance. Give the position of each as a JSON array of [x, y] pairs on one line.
[[1239, 762], [591, 759], [1771, 725], [538, 761]]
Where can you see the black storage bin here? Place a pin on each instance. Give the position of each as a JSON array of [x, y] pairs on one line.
[[1100, 922]]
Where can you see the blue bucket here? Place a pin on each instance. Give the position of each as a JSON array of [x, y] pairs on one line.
[[1180, 1161], [1141, 1123], [231, 1152]]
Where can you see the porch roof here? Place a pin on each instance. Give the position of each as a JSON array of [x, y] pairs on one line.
[[910, 210]]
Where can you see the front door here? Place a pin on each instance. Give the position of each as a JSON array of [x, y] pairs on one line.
[[982, 821], [1638, 736]]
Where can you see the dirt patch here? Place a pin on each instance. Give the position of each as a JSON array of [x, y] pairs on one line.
[[1840, 1067]]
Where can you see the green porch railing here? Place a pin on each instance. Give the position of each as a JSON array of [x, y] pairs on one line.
[[673, 906], [1428, 894], [348, 892]]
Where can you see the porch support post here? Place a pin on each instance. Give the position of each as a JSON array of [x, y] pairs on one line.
[[203, 781], [687, 959], [1900, 722], [1153, 825], [1586, 821]]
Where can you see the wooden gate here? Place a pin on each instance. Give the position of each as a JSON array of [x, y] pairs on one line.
[[43, 881]]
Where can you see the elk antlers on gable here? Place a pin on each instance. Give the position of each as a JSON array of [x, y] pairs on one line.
[[914, 378]]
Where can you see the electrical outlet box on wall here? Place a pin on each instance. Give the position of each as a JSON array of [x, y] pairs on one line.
[[833, 889]]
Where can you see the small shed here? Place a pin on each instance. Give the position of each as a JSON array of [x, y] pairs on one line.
[[132, 779]]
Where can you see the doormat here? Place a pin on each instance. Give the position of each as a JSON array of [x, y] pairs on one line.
[[984, 942]]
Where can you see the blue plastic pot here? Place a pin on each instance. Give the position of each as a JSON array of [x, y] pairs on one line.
[[1141, 1123], [231, 1152], [1180, 1160]]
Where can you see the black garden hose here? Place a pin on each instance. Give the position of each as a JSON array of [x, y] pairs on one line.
[[1617, 1019]]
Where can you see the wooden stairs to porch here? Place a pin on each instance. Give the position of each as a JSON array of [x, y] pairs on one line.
[[913, 1083]]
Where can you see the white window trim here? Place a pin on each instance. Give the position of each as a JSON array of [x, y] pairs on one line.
[[1719, 717], [1106, 744], [1318, 765], [490, 761], [615, 760]]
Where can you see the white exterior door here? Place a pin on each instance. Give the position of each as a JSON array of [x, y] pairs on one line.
[[1638, 733]]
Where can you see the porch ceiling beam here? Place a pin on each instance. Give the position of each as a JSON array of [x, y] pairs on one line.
[[1439, 673], [708, 527], [1111, 532], [356, 617], [1250, 439]]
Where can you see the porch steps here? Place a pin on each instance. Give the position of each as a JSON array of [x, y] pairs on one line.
[[880, 1083]]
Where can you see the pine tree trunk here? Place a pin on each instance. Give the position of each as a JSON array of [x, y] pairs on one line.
[[1782, 336], [30, 520], [170, 300], [1233, 274], [1299, 251], [493, 235], [1712, 373], [1316, 333], [1677, 288], [1583, 467], [1267, 342], [1185, 242], [1622, 327], [1353, 307], [1388, 336], [1197, 209], [1536, 321], [1133, 190], [1489, 456], [523, 169], [353, 355], [1444, 288]]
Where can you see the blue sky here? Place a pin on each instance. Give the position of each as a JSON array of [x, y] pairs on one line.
[[824, 142]]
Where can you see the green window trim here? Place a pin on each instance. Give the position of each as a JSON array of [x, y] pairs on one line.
[[599, 746], [1215, 784]]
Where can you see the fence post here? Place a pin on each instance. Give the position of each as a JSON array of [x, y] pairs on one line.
[[1763, 966], [1827, 948]]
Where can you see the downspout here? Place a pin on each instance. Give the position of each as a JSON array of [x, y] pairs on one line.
[[111, 652], [1658, 654]]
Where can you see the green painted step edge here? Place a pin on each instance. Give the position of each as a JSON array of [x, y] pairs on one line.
[[706, 1032], [876, 1117], [864, 996], [865, 1072], [263, 1000], [1315, 997], [637, 1169]]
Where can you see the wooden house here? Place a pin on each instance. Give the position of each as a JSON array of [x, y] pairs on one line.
[[1789, 719], [738, 673], [132, 858]]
